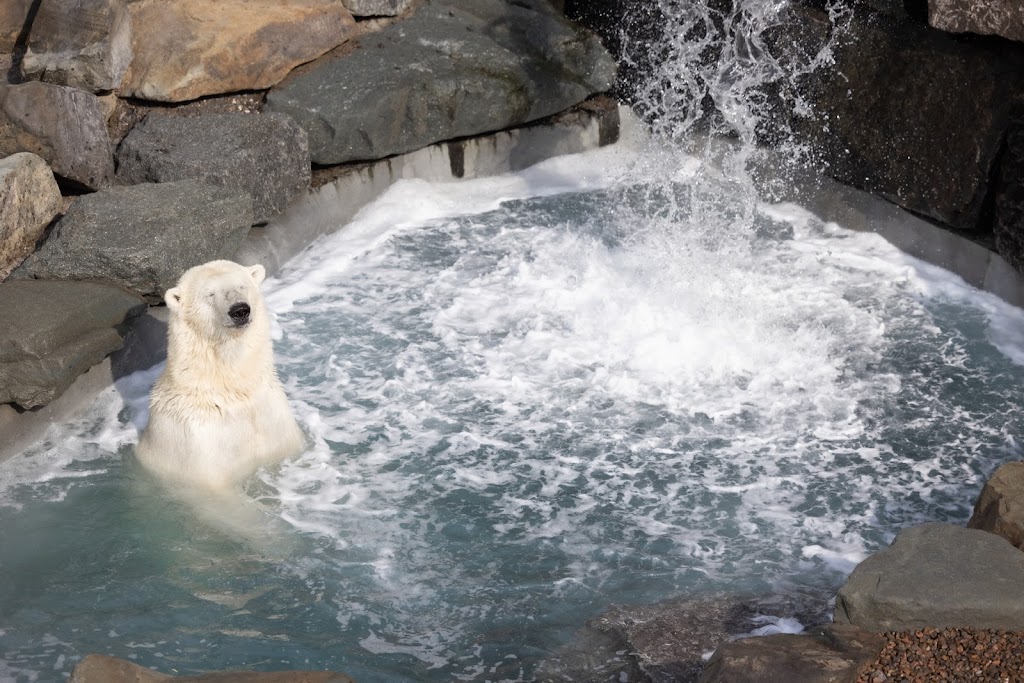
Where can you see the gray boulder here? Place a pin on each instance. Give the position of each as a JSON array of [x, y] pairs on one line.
[[85, 44], [264, 155], [936, 575], [51, 332], [988, 17], [65, 126], [913, 115], [1000, 507], [455, 68], [1008, 226], [29, 199], [377, 8], [142, 237], [836, 654]]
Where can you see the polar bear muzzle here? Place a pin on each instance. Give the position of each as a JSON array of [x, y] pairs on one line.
[[239, 314]]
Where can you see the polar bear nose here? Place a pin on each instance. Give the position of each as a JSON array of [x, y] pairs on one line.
[[239, 314]]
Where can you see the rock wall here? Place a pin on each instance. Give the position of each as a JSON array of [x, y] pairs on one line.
[[139, 138]]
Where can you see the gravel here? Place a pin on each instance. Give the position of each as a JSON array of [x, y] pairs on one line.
[[948, 654]]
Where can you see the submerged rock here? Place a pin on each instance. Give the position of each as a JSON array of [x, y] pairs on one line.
[[142, 237], [29, 199], [51, 332], [105, 669], [81, 43], [187, 49], [936, 575], [455, 68], [65, 126], [1000, 508], [264, 155]]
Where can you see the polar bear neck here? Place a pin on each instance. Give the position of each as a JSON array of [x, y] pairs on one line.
[[228, 367]]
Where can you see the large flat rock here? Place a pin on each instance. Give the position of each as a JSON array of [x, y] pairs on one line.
[[51, 332], [29, 199], [455, 68], [142, 237], [936, 575], [264, 155], [187, 49], [81, 43], [65, 126], [1000, 507]]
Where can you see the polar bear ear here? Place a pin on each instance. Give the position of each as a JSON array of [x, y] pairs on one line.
[[258, 273], [173, 298]]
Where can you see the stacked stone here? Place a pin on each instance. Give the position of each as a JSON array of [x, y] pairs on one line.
[[150, 117]]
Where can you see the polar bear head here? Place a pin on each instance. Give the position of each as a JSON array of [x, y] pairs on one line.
[[219, 299]]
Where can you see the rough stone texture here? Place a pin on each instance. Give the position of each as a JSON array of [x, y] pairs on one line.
[[666, 642], [51, 332], [65, 126], [1000, 508], [474, 66], [265, 155], [936, 575], [186, 49], [142, 237], [913, 115], [105, 669], [836, 654], [1009, 200], [377, 8], [13, 14], [29, 199], [81, 43], [989, 17]]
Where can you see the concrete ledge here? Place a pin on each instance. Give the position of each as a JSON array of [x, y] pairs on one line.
[[858, 210]]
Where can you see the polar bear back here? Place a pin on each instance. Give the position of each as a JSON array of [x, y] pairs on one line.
[[218, 411]]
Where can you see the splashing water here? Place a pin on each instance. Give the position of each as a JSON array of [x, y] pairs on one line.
[[613, 378]]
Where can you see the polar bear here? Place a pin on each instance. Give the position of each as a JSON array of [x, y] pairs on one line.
[[218, 411]]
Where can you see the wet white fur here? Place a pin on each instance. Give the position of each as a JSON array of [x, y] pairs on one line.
[[218, 412]]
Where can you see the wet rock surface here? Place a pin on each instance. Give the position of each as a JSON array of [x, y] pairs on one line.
[[51, 332], [1009, 200], [836, 654], [936, 575], [1000, 508], [264, 155], [142, 237], [29, 199], [65, 126], [474, 66]]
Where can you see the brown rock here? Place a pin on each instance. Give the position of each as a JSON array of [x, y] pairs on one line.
[[82, 43], [65, 126], [104, 669], [837, 654], [29, 199], [990, 17], [1000, 508], [187, 49], [13, 14]]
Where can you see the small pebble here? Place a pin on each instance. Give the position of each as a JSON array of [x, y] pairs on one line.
[[948, 654]]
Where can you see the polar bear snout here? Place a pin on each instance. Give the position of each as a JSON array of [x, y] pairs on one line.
[[239, 314]]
